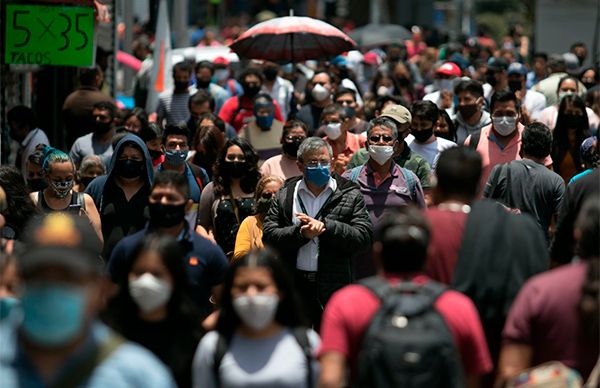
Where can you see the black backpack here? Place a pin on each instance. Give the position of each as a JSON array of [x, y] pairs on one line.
[[408, 344]]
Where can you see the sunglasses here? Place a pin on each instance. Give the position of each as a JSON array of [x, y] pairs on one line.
[[267, 195], [376, 138]]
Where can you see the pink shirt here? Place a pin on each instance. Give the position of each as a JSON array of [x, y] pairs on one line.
[[280, 166], [349, 312], [492, 153]]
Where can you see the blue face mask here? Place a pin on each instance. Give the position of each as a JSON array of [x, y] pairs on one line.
[[175, 158], [6, 306], [318, 176], [264, 122], [53, 314]]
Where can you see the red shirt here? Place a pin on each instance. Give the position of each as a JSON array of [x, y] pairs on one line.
[[243, 115], [349, 312], [544, 315], [447, 228]]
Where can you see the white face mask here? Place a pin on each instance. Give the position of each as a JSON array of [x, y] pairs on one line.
[[333, 130], [384, 91], [504, 125], [319, 93], [443, 84], [256, 311], [149, 292], [381, 153], [221, 74]]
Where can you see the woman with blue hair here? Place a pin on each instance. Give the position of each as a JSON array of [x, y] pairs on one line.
[[59, 172]]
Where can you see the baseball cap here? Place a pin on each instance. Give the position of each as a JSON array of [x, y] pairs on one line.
[[449, 68], [517, 68], [571, 62], [60, 239], [587, 149], [397, 113], [497, 64], [372, 58], [221, 61]]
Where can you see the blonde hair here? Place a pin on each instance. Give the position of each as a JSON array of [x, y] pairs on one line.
[[264, 181]]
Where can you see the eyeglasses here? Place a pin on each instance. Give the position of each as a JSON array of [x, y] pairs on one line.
[[317, 163], [376, 138], [294, 138], [267, 195]]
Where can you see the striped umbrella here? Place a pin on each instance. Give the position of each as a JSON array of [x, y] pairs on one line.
[[292, 39]]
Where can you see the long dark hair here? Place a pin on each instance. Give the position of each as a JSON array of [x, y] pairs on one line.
[[20, 208], [451, 135], [122, 311], [289, 312], [248, 183], [560, 144]]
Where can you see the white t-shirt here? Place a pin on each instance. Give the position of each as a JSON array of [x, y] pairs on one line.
[[272, 362], [431, 150]]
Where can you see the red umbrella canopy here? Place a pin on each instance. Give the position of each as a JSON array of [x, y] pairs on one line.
[[292, 39]]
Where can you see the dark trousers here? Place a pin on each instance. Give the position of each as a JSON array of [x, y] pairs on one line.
[[307, 288]]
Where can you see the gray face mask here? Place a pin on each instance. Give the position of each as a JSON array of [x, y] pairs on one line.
[[504, 125], [61, 189]]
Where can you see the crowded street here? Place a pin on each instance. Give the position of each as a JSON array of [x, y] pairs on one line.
[[302, 194]]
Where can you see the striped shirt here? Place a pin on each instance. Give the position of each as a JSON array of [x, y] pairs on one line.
[[174, 107]]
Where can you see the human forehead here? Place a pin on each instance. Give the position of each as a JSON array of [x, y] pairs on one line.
[[167, 190], [381, 130], [331, 117], [61, 169], [131, 152], [253, 276], [568, 84], [249, 78], [234, 150], [149, 261], [505, 106], [321, 78], [296, 131], [176, 139], [345, 97], [318, 155]]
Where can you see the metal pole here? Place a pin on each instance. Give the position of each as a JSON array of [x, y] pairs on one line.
[[180, 22], [128, 44]]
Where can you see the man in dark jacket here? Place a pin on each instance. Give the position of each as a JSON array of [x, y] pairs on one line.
[[319, 223]]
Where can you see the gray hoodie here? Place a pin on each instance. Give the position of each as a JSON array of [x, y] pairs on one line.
[[463, 130]]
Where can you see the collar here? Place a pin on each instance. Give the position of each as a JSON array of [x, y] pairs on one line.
[[184, 235], [394, 169], [29, 137], [332, 184]]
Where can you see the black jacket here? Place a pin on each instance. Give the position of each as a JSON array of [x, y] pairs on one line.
[[348, 232]]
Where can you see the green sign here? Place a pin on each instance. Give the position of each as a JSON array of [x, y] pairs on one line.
[[49, 35]]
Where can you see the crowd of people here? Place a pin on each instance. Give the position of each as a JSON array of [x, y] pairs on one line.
[[409, 215]]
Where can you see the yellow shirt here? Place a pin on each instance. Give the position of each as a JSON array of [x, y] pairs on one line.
[[249, 237]]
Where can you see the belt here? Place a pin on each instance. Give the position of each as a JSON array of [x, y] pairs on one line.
[[310, 276]]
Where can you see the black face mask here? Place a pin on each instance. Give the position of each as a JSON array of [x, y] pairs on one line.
[[101, 127], [403, 81], [589, 85], [128, 168], [235, 169], [166, 216], [467, 111], [202, 84], [270, 73], [572, 121], [86, 180], [263, 205], [37, 184], [155, 154], [181, 86], [514, 85], [291, 148], [491, 79], [422, 135], [250, 91]]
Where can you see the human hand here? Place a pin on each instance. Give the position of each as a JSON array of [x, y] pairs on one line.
[[340, 163]]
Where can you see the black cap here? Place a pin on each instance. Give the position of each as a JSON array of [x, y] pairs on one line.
[[60, 239]]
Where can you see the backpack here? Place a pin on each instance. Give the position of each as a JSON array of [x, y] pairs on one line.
[[299, 334], [409, 177], [407, 343], [553, 374]]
